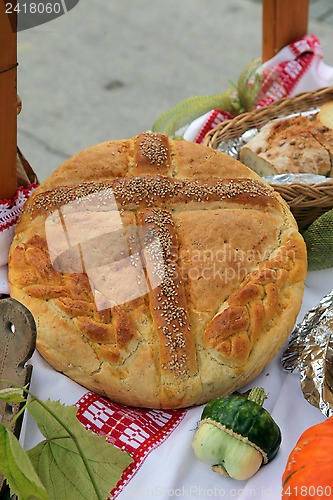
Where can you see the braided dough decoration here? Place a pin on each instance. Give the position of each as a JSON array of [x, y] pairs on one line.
[[160, 273]]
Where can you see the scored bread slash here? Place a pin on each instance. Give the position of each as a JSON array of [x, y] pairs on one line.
[[160, 273]]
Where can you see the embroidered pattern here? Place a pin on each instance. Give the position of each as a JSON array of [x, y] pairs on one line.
[[137, 431], [279, 81], [215, 117], [10, 210]]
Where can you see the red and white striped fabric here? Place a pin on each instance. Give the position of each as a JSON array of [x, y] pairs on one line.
[[298, 67], [10, 211], [136, 431]]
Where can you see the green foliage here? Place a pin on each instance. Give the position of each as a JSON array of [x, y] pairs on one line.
[[17, 468], [249, 85], [71, 462], [59, 456], [182, 114], [236, 99], [12, 395], [319, 242]]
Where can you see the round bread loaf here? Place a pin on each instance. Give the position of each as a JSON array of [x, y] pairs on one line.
[[160, 273]]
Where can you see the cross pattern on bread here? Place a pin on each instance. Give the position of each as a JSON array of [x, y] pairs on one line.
[[225, 249]]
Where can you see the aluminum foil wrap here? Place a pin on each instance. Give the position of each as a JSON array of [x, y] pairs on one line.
[[310, 351]]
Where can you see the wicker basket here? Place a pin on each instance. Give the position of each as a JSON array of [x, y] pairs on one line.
[[306, 201]]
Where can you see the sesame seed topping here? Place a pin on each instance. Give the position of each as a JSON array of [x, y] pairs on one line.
[[157, 193], [148, 191], [153, 149], [174, 318]]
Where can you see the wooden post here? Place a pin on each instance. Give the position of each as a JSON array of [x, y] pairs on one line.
[[8, 101], [283, 21]]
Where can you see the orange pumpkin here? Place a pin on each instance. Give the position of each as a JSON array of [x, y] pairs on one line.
[[309, 469]]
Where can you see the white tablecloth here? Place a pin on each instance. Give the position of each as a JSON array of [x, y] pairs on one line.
[[171, 469]]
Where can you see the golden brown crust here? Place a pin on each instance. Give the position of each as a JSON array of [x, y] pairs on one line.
[[325, 114], [249, 309], [152, 191], [153, 282], [168, 306], [299, 144], [112, 159], [151, 155]]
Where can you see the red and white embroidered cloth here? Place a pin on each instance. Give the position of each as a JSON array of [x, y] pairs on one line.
[[298, 67], [9, 213], [136, 431]]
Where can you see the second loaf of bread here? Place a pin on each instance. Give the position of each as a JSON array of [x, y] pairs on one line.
[[298, 144]]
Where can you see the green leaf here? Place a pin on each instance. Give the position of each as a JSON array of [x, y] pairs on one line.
[[17, 468], [12, 395], [59, 463], [186, 111], [249, 84], [319, 242]]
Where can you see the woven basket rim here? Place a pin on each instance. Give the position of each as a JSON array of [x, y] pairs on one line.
[[302, 102], [307, 201], [305, 101]]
